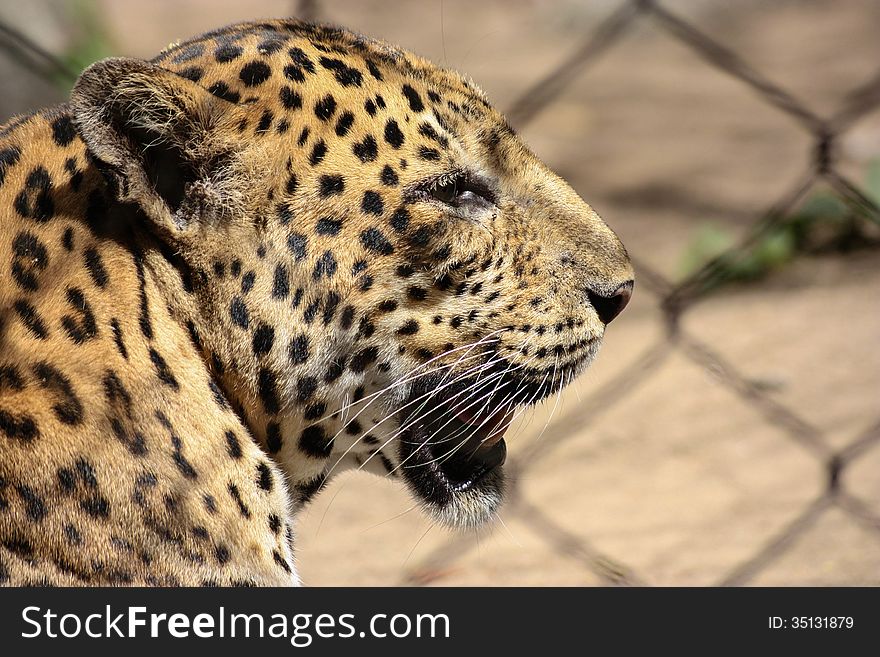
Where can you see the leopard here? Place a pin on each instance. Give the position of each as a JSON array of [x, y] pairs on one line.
[[275, 252]]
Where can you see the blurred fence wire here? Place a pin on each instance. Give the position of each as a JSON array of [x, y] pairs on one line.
[[674, 299]]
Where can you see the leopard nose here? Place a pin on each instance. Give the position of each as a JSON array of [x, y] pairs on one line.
[[609, 306]]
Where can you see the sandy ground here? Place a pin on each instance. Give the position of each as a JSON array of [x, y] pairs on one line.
[[675, 479]]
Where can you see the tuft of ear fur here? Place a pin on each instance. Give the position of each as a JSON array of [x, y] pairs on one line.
[[150, 132]]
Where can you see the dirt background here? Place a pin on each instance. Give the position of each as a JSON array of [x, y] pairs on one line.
[[678, 474]]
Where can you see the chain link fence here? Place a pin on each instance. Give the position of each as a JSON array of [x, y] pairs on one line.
[[673, 299]]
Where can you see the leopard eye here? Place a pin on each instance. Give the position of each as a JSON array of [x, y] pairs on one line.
[[446, 192], [463, 192]]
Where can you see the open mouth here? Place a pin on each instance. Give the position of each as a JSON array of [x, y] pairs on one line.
[[453, 451], [451, 445]]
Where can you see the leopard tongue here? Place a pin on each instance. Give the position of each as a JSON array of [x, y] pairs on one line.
[[492, 428]]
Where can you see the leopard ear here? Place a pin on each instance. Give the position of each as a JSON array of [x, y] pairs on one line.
[[150, 132]]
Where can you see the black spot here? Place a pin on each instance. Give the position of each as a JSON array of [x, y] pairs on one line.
[[363, 358], [374, 70], [292, 183], [67, 239], [69, 409], [311, 488], [239, 313], [370, 107], [389, 176], [162, 370], [270, 45], [366, 149], [372, 203], [144, 315], [411, 327], [210, 503], [84, 328], [268, 390], [374, 240], [415, 101], [319, 150], [96, 267], [115, 391], [400, 220], [264, 336], [330, 185], [192, 73], [301, 61], [366, 283], [421, 236], [358, 267], [274, 524], [218, 395], [314, 442], [21, 427], [299, 349], [325, 107], [280, 561], [35, 200], [265, 121], [380, 101], [273, 437], [303, 136], [264, 476], [8, 158], [235, 494], [290, 98], [63, 131], [387, 306], [393, 135], [416, 293], [330, 307], [347, 317], [35, 506], [255, 73], [353, 428], [235, 268], [328, 226], [305, 388], [10, 378], [343, 125], [334, 371], [220, 90], [325, 266], [118, 337], [345, 75], [427, 130], [429, 154], [285, 214], [222, 554], [31, 319], [247, 281], [227, 52], [297, 243], [314, 411], [280, 283], [311, 311]]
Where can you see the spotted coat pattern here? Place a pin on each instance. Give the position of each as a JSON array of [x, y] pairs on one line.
[[214, 263]]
